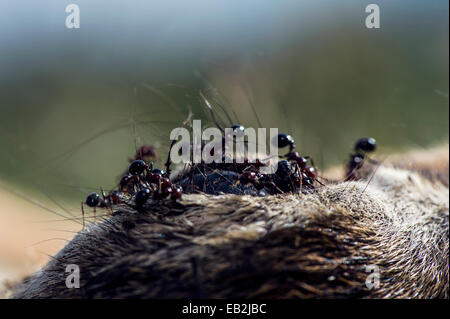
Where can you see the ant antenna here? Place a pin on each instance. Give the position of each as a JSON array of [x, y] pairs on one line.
[[82, 214], [211, 111], [252, 105]]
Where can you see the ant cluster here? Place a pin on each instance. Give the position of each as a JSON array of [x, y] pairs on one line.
[[140, 183], [145, 181], [293, 173]]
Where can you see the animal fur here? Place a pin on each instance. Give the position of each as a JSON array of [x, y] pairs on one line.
[[285, 246]]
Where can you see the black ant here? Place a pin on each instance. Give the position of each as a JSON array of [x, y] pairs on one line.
[[285, 179], [362, 146], [174, 191], [284, 140], [141, 181], [304, 170], [94, 200]]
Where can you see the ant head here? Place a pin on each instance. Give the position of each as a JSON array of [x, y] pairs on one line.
[[238, 129], [366, 144], [141, 197], [92, 199], [137, 167], [284, 140]]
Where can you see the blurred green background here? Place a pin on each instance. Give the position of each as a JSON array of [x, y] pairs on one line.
[[68, 97]]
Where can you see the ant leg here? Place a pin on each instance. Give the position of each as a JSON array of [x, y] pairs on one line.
[[299, 173], [296, 168], [103, 193], [276, 187], [351, 175], [301, 181], [169, 161], [292, 183], [106, 202], [82, 213], [311, 159], [319, 182]]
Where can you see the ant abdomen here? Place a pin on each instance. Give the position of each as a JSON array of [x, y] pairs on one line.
[[365, 144], [137, 167], [283, 140], [93, 199]]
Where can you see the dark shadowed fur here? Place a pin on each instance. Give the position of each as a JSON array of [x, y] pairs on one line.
[[283, 246]]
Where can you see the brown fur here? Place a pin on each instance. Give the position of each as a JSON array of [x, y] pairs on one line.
[[284, 246]]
